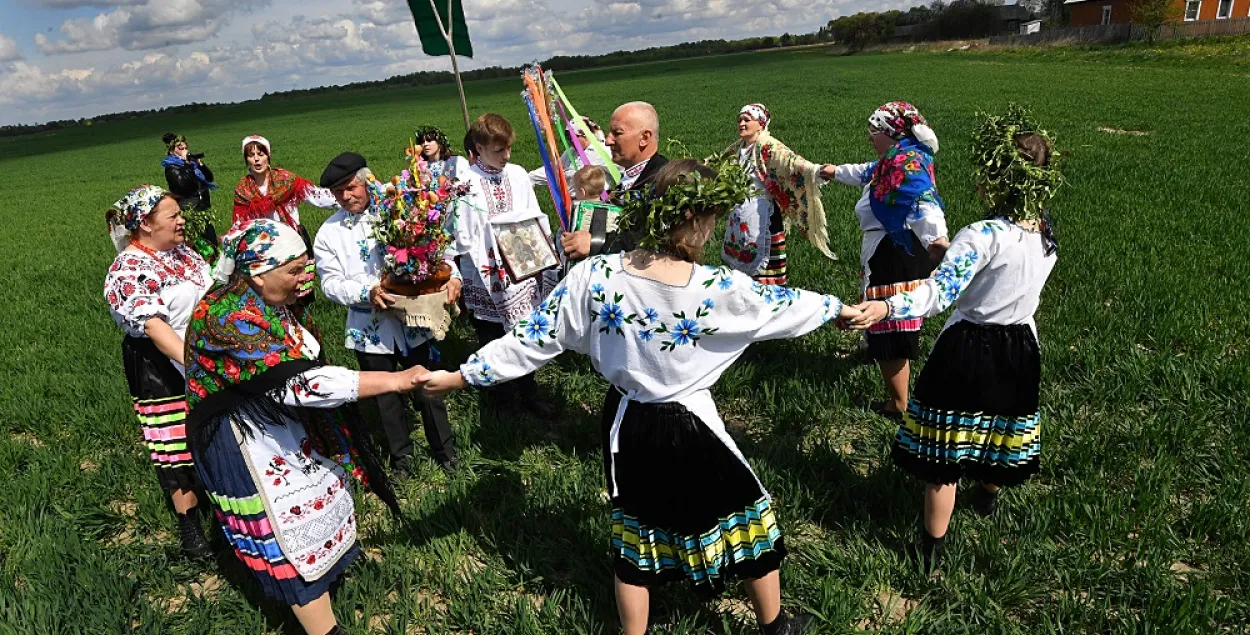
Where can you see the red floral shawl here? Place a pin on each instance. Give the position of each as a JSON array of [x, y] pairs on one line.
[[286, 191]]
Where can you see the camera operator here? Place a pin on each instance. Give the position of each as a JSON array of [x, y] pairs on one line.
[[189, 179]]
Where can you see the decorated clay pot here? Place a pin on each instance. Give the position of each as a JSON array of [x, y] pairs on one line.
[[437, 279]]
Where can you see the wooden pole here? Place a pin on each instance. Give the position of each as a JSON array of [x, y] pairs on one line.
[[451, 47]]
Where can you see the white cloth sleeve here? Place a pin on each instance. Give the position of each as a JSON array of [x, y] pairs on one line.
[[321, 197], [852, 173], [968, 253], [771, 312], [132, 299], [930, 225], [334, 281], [329, 387], [557, 325]]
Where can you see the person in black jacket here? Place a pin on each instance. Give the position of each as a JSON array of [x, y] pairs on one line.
[[190, 181], [634, 137]]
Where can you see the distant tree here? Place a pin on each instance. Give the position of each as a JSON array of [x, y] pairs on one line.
[[1153, 14], [859, 30]]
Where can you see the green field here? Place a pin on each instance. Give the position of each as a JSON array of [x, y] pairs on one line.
[[1137, 523]]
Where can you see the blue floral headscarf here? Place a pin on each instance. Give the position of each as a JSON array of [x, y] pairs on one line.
[[904, 177], [257, 246]]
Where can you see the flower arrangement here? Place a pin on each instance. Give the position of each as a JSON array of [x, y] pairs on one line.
[[414, 208]]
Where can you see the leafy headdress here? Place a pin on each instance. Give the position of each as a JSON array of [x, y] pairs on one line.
[[654, 213], [1012, 182]]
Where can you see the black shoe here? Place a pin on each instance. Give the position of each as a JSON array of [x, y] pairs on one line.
[[401, 467], [448, 465], [927, 552], [985, 502], [879, 407], [787, 624], [191, 535], [337, 630]]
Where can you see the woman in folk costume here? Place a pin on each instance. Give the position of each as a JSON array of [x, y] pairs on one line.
[[273, 193], [662, 329], [151, 288], [434, 147], [975, 410], [904, 226], [274, 431], [499, 193], [788, 188]]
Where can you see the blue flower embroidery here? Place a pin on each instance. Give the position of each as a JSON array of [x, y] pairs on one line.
[[708, 303], [726, 283], [364, 249], [478, 372], [611, 315], [646, 336], [537, 326], [596, 288], [685, 332], [560, 292], [650, 315]]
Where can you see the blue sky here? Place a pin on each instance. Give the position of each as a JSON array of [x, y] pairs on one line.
[[77, 58]]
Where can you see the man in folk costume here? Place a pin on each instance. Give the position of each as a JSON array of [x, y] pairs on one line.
[[788, 193], [500, 193], [275, 437], [350, 262], [634, 137]]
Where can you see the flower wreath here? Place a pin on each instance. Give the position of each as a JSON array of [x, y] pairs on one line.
[[655, 214], [1012, 183]]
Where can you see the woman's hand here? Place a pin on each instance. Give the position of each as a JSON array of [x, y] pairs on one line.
[[872, 312], [441, 382], [452, 288]]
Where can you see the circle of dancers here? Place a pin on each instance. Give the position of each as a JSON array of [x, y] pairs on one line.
[[244, 418]]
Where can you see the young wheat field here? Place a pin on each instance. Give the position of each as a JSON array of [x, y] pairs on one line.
[[1136, 524]]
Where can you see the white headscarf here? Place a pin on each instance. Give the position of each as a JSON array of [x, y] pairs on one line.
[[129, 211], [257, 246]]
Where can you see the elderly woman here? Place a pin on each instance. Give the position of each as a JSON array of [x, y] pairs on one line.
[[273, 193], [975, 411], [686, 504], [190, 181], [904, 226], [151, 288], [275, 435], [788, 188]]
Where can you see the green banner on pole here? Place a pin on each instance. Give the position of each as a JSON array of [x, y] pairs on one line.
[[432, 27]]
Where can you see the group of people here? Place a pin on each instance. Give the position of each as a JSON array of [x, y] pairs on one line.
[[236, 401]]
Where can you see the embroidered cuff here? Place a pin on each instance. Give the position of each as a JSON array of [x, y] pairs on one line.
[[833, 307], [477, 372]]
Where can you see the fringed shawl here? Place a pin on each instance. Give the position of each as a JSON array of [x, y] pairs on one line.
[[241, 355], [901, 180], [793, 183], [286, 191]]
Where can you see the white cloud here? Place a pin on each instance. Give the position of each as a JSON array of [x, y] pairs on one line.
[[151, 25], [8, 49]]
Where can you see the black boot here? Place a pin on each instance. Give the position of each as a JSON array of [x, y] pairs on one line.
[[337, 630], [985, 502], [191, 535], [927, 552], [787, 624]]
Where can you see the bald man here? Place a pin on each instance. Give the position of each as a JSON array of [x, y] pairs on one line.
[[634, 137]]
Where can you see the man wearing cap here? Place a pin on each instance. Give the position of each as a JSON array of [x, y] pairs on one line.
[[350, 262]]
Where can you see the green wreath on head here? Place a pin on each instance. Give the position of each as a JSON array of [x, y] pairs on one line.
[[655, 214], [437, 133], [1013, 184]]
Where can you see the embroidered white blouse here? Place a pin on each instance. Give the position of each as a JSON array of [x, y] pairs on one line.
[[505, 197], [350, 262], [653, 341], [139, 287], [929, 222], [993, 273], [748, 245]]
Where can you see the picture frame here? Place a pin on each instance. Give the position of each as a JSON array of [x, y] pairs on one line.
[[525, 249]]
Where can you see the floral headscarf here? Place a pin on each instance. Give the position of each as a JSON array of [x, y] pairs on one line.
[[128, 212], [757, 112], [900, 120], [257, 246]]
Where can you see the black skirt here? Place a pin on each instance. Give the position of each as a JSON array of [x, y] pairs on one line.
[[891, 270], [974, 412], [158, 392], [686, 507]]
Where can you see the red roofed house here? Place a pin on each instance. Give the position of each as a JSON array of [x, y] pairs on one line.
[[1094, 12]]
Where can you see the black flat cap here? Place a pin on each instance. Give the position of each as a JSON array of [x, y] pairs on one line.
[[342, 168]]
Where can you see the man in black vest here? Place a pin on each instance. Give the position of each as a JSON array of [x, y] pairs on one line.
[[634, 137]]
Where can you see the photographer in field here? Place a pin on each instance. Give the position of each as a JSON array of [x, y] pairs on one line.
[[189, 182]]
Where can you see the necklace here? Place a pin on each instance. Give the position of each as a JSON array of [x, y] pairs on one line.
[[488, 169], [295, 332], [180, 273]]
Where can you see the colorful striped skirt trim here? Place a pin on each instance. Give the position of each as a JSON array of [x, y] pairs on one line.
[[891, 270], [974, 413], [747, 543], [885, 291], [158, 396], [775, 270]]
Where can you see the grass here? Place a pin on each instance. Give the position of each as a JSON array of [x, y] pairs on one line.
[[1137, 523]]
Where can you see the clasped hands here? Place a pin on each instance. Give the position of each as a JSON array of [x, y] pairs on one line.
[[858, 317], [434, 383], [382, 300]]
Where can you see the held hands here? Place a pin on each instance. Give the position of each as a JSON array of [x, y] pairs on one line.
[[828, 171], [381, 299], [410, 379], [441, 382], [576, 244], [871, 312]]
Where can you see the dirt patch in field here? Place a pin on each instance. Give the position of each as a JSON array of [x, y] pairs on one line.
[[888, 609], [1120, 131]]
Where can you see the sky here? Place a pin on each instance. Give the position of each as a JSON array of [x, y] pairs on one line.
[[65, 59]]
